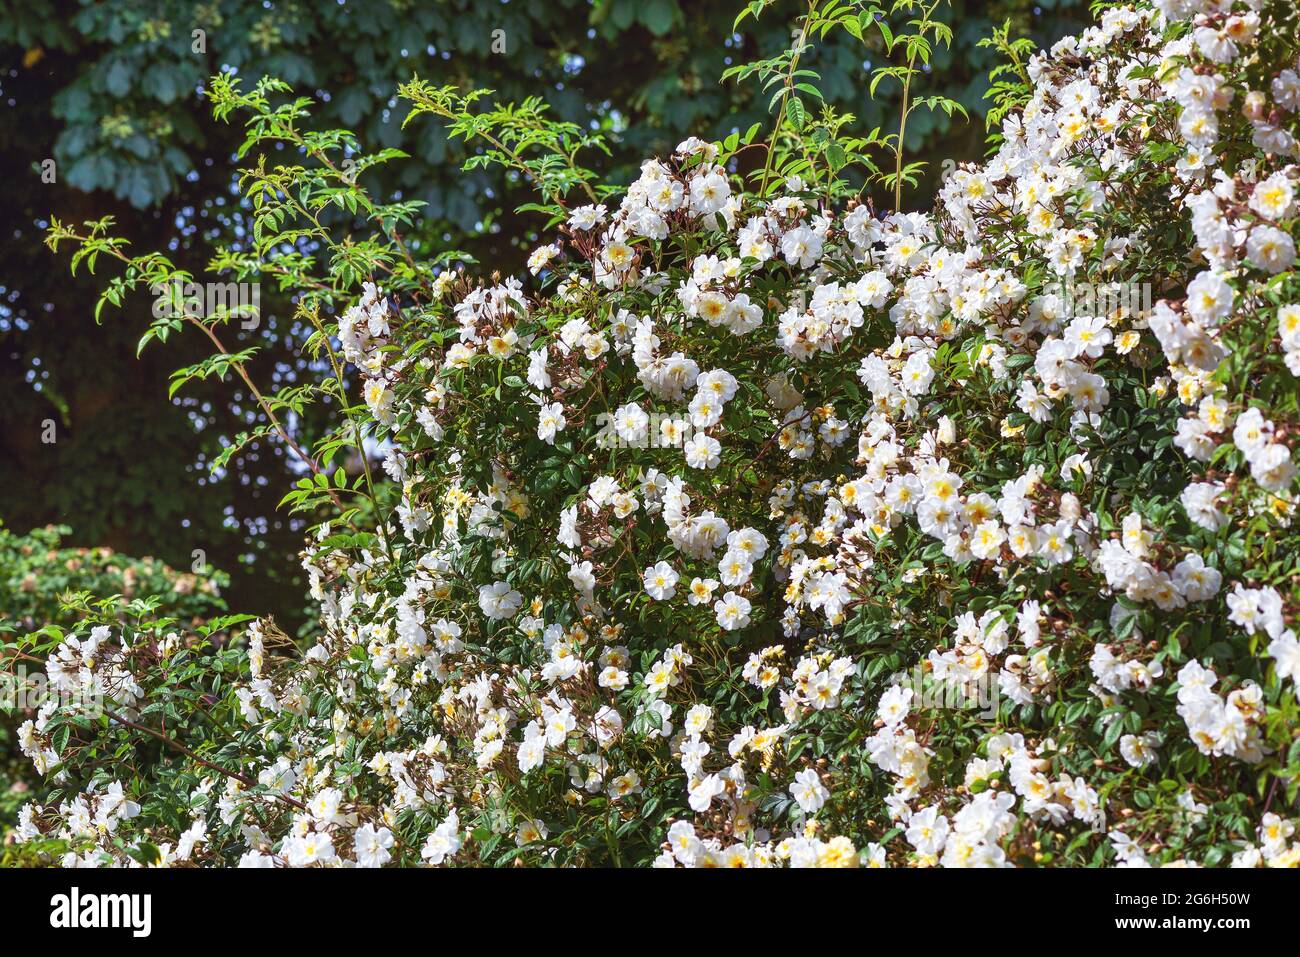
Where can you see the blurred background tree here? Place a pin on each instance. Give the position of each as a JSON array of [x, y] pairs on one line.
[[111, 92]]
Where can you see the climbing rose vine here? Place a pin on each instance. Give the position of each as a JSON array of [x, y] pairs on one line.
[[758, 527]]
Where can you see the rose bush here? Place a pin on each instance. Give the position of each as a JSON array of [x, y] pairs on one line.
[[44, 582], [762, 527]]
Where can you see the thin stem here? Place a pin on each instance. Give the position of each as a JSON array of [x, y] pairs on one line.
[[243, 779], [898, 148], [906, 106], [785, 96]]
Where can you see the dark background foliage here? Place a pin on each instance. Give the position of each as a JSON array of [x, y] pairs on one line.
[[111, 91]]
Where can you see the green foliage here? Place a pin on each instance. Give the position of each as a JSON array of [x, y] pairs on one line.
[[1010, 88]]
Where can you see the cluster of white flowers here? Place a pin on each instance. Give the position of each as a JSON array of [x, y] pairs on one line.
[[85, 675], [1218, 725]]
